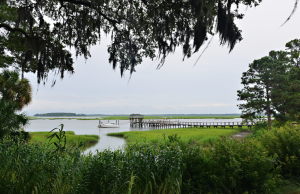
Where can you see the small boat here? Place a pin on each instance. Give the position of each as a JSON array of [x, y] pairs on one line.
[[108, 125]]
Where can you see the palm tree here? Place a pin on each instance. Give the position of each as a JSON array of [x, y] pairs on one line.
[[9, 120], [14, 89]]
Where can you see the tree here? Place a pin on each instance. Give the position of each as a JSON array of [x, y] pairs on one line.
[[10, 121], [33, 49], [285, 94], [15, 90], [138, 29], [293, 50], [258, 83]]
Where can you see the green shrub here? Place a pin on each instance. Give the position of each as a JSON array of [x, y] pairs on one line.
[[20, 134], [231, 167], [285, 143]]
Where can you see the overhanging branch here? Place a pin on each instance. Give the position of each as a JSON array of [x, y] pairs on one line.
[[7, 27], [88, 4]]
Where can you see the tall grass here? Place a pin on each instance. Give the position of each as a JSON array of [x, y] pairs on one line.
[[72, 139], [195, 135], [36, 168], [169, 166]]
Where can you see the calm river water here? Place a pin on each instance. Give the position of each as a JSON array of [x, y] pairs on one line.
[[81, 127]]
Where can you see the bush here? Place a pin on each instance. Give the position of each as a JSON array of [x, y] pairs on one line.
[[20, 134], [231, 167], [10, 121], [285, 143]]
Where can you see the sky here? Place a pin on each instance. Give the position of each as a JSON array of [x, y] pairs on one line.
[[179, 87]]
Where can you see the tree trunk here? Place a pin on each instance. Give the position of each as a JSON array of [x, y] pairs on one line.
[[268, 108], [22, 72], [269, 117]]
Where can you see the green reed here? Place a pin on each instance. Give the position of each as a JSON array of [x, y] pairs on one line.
[[168, 166]]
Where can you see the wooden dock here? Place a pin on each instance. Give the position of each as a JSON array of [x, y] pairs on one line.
[[180, 124]]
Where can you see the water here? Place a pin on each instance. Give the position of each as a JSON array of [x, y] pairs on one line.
[[89, 127]]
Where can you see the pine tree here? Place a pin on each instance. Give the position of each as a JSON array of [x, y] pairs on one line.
[[258, 83]]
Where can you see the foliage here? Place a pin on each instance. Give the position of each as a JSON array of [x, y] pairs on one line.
[[10, 121], [231, 167], [35, 168], [140, 169], [23, 135], [29, 45], [284, 142], [258, 82], [165, 167], [286, 91], [272, 86], [293, 50], [138, 29], [15, 90]]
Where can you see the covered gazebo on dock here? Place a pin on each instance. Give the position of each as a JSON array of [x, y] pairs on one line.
[[136, 119]]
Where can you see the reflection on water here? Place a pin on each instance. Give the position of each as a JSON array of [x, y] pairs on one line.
[[89, 127]]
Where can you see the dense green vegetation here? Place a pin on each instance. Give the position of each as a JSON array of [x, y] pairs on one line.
[[11, 119], [14, 89], [258, 164], [72, 139], [272, 86], [58, 114], [193, 135]]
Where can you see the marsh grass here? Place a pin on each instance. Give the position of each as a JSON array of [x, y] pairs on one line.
[[72, 139], [37, 168], [165, 167], [200, 136]]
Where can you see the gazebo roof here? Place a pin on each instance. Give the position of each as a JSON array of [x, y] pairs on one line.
[[136, 117]]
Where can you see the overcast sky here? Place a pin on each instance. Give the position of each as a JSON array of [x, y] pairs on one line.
[[178, 87]]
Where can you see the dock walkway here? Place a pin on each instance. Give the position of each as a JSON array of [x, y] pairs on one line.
[[179, 124]]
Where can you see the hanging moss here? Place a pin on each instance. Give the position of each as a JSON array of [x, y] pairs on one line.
[[138, 29]]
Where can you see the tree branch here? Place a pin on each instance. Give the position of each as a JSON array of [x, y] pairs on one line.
[[14, 30], [88, 4]]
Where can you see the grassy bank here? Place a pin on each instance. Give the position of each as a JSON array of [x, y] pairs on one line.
[[72, 139], [195, 135]]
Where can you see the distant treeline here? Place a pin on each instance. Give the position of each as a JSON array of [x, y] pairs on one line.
[[59, 114]]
